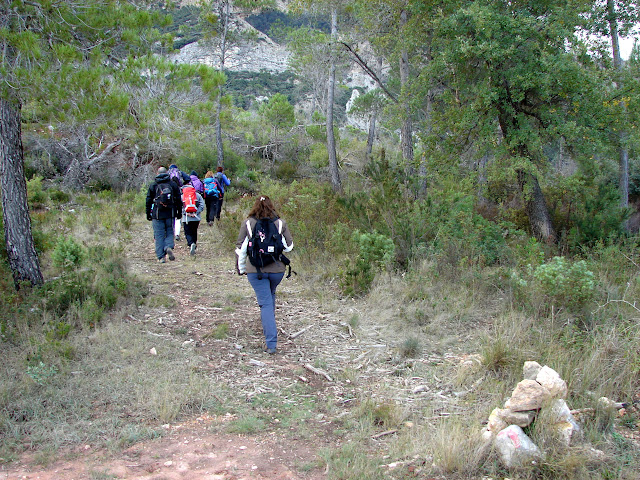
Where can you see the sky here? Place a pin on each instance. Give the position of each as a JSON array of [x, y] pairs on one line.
[[626, 44]]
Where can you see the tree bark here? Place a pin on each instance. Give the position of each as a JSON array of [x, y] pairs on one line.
[[21, 252], [225, 13], [331, 140], [406, 130], [536, 208], [623, 154]]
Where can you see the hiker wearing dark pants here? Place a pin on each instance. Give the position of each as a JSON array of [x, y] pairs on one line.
[[264, 280], [210, 201], [223, 182], [163, 206], [191, 221]]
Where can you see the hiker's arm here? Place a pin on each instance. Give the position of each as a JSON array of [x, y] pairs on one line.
[[287, 239], [241, 249], [149, 202], [199, 204]]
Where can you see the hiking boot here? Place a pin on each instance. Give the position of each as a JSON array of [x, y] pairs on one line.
[[177, 238], [210, 224], [170, 254], [270, 351], [162, 260], [192, 252]]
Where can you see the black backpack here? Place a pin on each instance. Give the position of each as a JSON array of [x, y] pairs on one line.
[[164, 196], [265, 245]]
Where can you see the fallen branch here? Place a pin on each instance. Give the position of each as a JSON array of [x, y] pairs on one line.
[[383, 434], [318, 371], [297, 334]]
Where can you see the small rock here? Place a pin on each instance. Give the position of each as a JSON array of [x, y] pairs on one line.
[[528, 395], [515, 448], [496, 423], [550, 379], [530, 370], [521, 419], [153, 351]]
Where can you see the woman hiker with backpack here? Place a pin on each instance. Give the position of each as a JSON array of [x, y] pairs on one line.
[[192, 207], [262, 239], [210, 196]]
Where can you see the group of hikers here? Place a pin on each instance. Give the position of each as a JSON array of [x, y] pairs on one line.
[[175, 198]]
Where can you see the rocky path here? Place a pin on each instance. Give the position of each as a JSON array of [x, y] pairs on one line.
[[324, 368]]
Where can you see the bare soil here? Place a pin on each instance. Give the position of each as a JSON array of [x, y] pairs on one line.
[[321, 358]]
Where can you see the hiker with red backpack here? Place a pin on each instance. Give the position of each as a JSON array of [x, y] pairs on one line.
[[163, 206], [263, 240], [178, 177], [192, 207]]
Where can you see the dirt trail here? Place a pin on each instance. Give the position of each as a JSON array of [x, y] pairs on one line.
[[320, 357]]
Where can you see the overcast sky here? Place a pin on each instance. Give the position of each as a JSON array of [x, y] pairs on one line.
[[626, 44]]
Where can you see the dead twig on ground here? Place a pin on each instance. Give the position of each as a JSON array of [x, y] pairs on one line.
[[318, 371]]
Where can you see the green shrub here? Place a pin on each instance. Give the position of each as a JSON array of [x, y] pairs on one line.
[[67, 254], [565, 283], [58, 196], [36, 196], [376, 252], [558, 283]]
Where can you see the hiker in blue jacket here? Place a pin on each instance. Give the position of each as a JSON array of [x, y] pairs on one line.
[[223, 182], [163, 206]]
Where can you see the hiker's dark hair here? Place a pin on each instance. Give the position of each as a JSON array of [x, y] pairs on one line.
[[219, 169], [263, 208]]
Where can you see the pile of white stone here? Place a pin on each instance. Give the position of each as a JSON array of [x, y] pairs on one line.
[[540, 397]]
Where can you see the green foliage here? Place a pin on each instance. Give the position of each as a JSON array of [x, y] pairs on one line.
[[245, 87], [36, 195], [40, 373], [68, 254], [376, 252], [278, 112], [560, 283]]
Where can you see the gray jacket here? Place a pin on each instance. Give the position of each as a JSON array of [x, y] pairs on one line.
[[194, 217]]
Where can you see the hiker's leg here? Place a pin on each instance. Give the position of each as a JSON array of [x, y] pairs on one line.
[[194, 231], [191, 232], [168, 232], [159, 232], [274, 281], [265, 301], [219, 207], [208, 201]]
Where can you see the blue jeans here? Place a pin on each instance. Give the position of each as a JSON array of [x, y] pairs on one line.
[[163, 235], [266, 295]]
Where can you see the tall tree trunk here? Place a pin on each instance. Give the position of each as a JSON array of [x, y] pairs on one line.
[[536, 208], [331, 140], [406, 130], [373, 118], [622, 137], [23, 259], [372, 133], [225, 13]]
